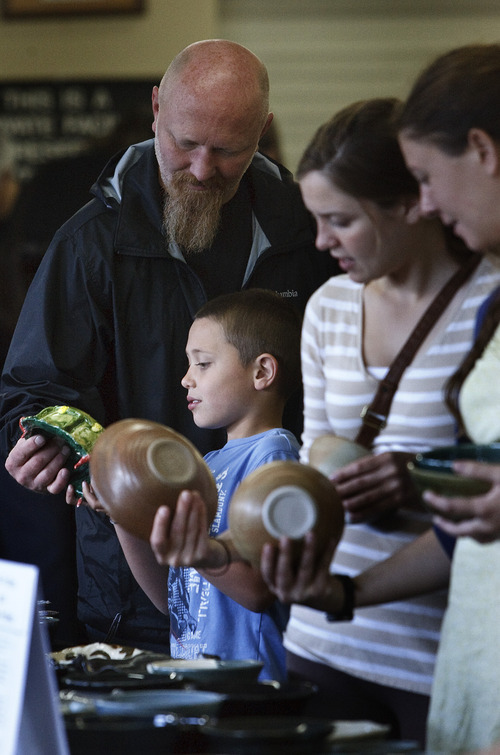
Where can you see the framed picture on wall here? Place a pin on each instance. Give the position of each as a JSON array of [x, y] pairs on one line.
[[60, 8]]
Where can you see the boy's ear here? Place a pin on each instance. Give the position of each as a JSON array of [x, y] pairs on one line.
[[265, 372]]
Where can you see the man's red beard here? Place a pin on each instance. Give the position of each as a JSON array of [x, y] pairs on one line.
[[191, 218]]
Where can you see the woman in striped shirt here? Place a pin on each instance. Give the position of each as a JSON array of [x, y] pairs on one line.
[[355, 183]]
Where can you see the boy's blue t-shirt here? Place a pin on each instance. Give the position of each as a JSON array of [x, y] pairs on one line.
[[202, 618]]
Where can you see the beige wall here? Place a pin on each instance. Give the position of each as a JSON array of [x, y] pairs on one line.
[[321, 54], [324, 54], [109, 46]]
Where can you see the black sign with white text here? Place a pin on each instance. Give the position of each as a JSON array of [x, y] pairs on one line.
[[49, 119]]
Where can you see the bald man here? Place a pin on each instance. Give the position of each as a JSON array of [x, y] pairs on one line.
[[174, 221]]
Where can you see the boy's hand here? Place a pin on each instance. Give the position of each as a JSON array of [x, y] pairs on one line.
[[181, 538], [89, 497]]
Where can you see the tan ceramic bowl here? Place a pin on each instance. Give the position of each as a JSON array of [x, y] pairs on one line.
[[283, 498], [328, 453], [138, 465]]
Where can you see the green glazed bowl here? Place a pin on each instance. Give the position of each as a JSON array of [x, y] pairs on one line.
[[433, 470], [77, 429]]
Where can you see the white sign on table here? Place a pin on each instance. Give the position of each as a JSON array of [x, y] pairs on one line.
[[30, 718]]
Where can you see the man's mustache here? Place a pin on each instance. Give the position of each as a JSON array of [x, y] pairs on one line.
[[186, 181]]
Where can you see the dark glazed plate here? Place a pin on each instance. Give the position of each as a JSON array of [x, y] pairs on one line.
[[267, 698], [206, 670], [152, 704], [116, 678], [101, 666], [129, 735], [266, 734]]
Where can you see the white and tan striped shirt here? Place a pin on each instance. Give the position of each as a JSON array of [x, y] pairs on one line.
[[394, 644]]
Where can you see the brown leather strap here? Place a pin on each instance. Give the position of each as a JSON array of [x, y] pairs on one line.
[[375, 415]]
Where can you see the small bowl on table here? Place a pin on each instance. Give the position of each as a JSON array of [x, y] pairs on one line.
[[433, 470]]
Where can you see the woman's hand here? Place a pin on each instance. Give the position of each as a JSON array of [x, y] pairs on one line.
[[477, 516], [306, 582], [374, 485]]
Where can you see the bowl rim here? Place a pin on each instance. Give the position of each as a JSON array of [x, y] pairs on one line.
[[436, 457]]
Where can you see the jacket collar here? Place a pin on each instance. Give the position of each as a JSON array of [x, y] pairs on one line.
[[130, 183]]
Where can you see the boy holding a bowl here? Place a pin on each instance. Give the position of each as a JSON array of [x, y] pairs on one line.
[[243, 353]]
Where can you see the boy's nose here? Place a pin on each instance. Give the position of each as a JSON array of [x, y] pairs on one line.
[[186, 381]]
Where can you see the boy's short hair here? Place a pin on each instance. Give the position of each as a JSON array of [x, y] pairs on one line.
[[257, 321]]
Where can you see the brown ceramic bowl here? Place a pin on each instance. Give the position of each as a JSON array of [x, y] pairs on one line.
[[138, 465], [330, 452], [283, 498]]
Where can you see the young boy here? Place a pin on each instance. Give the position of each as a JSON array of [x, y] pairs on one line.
[[243, 352]]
